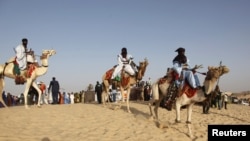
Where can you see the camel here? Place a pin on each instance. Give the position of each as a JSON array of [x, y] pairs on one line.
[[125, 84], [160, 91], [7, 70]]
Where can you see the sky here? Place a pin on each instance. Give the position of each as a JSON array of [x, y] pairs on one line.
[[89, 34]]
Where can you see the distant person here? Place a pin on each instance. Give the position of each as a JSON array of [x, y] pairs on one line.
[[42, 87], [124, 60], [98, 91], [61, 98], [4, 96], [218, 97], [66, 98], [114, 92], [72, 97], [54, 85], [225, 100]]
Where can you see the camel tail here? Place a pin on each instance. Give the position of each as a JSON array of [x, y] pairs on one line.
[[155, 91]]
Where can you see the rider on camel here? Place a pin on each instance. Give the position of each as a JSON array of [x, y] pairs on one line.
[[23, 58], [183, 70], [124, 60]]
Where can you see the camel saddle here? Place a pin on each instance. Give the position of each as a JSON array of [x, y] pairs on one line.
[[20, 79]]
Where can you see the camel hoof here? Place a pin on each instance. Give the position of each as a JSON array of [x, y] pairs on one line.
[[188, 122], [161, 125], [177, 121], [39, 106], [151, 118], [116, 108], [191, 136]]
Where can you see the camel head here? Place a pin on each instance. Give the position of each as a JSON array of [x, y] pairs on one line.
[[213, 75], [47, 53], [142, 68]]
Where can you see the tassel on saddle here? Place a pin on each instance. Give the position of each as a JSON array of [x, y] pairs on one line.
[[172, 93], [19, 80]]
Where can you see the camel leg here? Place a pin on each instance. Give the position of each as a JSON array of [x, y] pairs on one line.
[[27, 87], [178, 109], [103, 99], [128, 96], [157, 105], [189, 112], [1, 92], [151, 101], [39, 93], [108, 96]]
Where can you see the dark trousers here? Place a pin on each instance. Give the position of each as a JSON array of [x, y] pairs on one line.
[[55, 97], [99, 97], [225, 104]]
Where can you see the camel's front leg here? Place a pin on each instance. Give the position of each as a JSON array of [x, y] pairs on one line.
[[39, 93], [189, 115], [128, 96], [189, 112], [27, 87], [178, 109]]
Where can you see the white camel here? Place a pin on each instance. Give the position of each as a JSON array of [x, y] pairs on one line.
[[125, 84], [160, 91], [7, 70]]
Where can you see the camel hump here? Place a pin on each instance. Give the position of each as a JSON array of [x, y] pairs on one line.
[[12, 59]]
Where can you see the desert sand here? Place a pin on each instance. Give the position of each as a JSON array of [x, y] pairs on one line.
[[93, 122]]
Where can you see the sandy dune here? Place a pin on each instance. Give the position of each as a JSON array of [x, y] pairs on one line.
[[93, 122]]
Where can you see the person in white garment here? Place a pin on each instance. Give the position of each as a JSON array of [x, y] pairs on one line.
[[21, 51], [23, 58], [124, 60]]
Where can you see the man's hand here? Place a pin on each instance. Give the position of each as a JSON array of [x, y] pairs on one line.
[[197, 67]]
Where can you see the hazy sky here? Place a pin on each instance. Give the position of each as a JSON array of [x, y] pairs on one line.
[[88, 35]]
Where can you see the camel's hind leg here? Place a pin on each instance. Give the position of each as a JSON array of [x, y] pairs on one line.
[[150, 104], [156, 107], [1, 91], [27, 87], [39, 93], [103, 98]]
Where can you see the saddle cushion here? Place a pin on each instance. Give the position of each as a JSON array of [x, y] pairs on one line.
[[31, 68], [124, 81], [188, 90], [109, 74]]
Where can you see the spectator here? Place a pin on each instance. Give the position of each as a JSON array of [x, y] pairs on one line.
[[42, 87], [98, 91], [72, 97], [114, 92], [54, 85], [218, 97], [225, 100]]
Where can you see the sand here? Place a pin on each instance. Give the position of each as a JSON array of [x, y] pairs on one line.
[[93, 122]]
